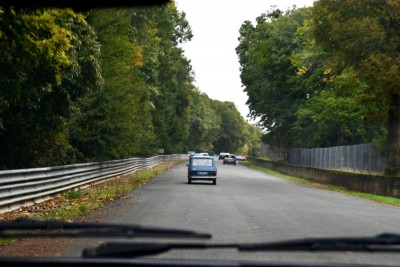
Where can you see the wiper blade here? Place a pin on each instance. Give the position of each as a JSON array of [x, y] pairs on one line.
[[55, 228], [381, 243], [386, 242], [132, 250]]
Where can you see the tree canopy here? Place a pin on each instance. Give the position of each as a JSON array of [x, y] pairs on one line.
[[106, 84], [364, 36], [326, 75]]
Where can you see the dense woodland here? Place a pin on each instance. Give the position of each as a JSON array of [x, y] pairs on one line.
[[105, 84], [114, 83], [327, 75]]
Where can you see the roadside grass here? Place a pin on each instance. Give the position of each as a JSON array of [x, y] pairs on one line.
[[381, 199], [73, 204], [78, 202]]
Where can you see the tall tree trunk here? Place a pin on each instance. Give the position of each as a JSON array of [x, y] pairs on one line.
[[393, 145]]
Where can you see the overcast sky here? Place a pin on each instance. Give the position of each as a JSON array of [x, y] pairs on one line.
[[215, 25]]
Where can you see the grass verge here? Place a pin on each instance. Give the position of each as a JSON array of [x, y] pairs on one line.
[[381, 199]]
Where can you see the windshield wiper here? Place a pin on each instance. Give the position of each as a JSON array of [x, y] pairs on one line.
[[54, 228], [385, 242], [379, 243], [132, 250]]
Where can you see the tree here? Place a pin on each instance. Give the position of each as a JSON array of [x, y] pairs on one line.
[[205, 123], [336, 116], [232, 135], [363, 35], [49, 59], [253, 145], [334, 113], [173, 80], [267, 73]]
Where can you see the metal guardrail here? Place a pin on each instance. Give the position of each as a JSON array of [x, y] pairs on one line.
[[24, 186]]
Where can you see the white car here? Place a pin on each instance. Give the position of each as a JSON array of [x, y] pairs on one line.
[[222, 155]]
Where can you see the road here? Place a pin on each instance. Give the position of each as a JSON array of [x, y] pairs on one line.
[[249, 206]]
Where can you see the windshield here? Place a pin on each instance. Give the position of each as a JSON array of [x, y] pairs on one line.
[[202, 162], [105, 109]]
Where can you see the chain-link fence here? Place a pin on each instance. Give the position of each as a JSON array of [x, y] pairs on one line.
[[273, 153], [362, 158]]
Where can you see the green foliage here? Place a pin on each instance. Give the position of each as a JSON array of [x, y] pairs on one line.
[[74, 194], [253, 145], [173, 81], [116, 122], [314, 76], [231, 136], [363, 35], [265, 54], [336, 115], [109, 84], [44, 69]]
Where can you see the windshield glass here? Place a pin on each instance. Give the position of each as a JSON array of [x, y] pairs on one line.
[[104, 110], [202, 162]]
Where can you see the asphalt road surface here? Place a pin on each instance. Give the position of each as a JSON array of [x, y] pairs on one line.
[[249, 206]]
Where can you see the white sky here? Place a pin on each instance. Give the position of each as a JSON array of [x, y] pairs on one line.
[[215, 25]]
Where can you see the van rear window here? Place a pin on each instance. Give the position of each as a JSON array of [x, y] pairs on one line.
[[202, 162]]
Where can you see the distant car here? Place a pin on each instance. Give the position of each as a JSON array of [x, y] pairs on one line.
[[202, 168], [230, 159], [222, 155], [241, 158]]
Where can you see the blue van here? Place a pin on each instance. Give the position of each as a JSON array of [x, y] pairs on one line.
[[202, 168]]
